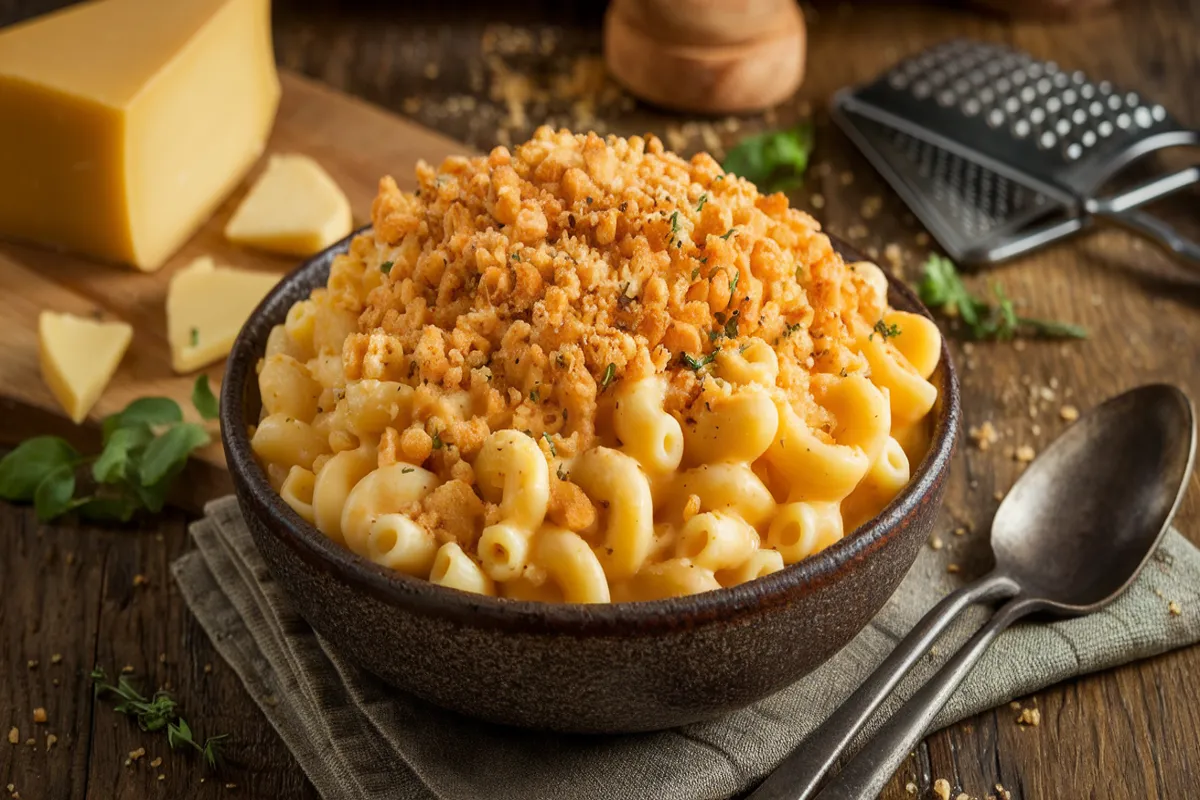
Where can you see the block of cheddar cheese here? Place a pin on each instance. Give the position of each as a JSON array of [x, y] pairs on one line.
[[137, 118], [78, 357]]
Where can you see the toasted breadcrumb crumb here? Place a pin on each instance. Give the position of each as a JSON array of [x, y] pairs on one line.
[[51, 740], [984, 436], [39, 715], [157, 762], [936, 542], [1030, 716], [1174, 608], [953, 569], [941, 789], [14, 735], [134, 755], [1069, 413], [140, 580], [56, 658], [910, 787], [127, 669], [1025, 453], [32, 663]]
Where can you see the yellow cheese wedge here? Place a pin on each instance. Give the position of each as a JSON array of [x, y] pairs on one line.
[[206, 307], [137, 118], [294, 208], [79, 357]]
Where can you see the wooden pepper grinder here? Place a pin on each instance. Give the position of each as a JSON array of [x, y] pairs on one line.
[[706, 56]]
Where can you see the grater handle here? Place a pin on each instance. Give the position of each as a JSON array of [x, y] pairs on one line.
[[1122, 209], [1156, 230]]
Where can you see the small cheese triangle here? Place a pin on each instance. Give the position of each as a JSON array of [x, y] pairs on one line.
[[79, 357], [294, 208], [207, 306]]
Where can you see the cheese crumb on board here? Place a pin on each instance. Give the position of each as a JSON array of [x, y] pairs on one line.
[[138, 117], [207, 306], [294, 208], [78, 358]]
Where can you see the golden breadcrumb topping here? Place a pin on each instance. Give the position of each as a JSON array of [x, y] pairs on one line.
[[516, 290]]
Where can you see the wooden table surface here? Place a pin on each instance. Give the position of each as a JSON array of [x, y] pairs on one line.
[[486, 74]]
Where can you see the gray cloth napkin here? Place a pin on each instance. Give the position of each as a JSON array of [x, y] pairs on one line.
[[357, 738]]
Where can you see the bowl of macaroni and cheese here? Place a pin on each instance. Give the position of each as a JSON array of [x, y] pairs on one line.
[[588, 437]]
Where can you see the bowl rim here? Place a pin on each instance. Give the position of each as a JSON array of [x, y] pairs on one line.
[[624, 619]]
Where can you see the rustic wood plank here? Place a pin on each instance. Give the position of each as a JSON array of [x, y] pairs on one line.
[[69, 590]]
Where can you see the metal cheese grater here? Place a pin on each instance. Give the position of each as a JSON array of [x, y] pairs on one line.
[[998, 153]]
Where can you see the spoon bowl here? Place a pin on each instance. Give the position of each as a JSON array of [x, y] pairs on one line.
[[1077, 527]]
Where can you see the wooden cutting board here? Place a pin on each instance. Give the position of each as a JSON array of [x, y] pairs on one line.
[[356, 142]]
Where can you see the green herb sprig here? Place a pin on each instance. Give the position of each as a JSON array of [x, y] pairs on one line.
[[145, 447], [774, 161], [942, 288], [156, 713]]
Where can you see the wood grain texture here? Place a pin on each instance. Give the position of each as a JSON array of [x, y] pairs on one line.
[[487, 73]]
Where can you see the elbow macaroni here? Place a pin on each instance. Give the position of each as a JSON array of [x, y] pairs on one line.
[[564, 399]]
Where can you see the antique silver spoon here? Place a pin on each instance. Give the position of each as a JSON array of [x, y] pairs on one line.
[[1072, 534]]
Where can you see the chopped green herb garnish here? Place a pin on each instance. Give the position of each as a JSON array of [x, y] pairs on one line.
[[791, 327], [534, 397], [610, 372], [407, 470], [437, 440], [194, 337], [737, 276], [695, 273], [386, 267], [562, 475], [942, 288], [885, 330], [729, 233], [704, 260], [516, 256], [674, 222], [731, 325], [549, 441], [773, 161], [589, 201], [703, 200], [697, 364]]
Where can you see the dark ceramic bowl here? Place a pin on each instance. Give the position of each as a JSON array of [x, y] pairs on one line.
[[583, 668]]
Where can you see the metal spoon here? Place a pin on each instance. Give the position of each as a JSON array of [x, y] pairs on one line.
[[1072, 534]]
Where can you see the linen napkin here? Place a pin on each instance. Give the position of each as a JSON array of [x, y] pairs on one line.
[[355, 737]]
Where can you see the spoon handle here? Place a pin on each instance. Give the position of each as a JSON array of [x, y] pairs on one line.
[[870, 770], [797, 776]]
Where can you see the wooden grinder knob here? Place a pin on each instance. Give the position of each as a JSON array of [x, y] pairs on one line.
[[706, 56]]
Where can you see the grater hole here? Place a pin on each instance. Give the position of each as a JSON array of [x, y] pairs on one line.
[[1142, 117], [1159, 113]]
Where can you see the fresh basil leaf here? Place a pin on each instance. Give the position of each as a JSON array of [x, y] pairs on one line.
[[107, 509], [24, 469], [153, 497], [53, 495], [166, 455], [113, 464], [147, 411], [204, 400], [773, 161]]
